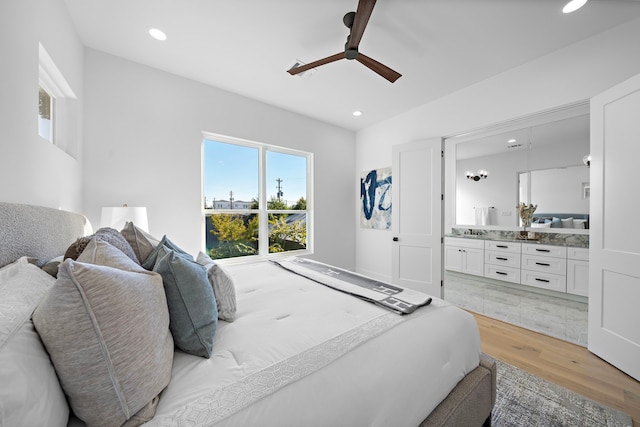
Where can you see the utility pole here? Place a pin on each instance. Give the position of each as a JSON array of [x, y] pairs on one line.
[[279, 187], [230, 199]]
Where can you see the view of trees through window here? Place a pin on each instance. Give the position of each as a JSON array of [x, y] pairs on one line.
[[239, 221], [45, 114]]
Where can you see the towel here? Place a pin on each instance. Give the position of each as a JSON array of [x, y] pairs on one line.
[[482, 216]]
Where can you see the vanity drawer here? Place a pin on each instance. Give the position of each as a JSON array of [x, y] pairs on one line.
[[544, 250], [555, 282], [493, 245], [509, 274], [544, 264], [464, 243], [578, 253], [502, 258]]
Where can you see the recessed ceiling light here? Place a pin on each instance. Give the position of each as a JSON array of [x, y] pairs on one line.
[[511, 141], [157, 34], [573, 5], [357, 113]]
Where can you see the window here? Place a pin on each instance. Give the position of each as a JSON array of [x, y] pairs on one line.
[[256, 198], [58, 114], [45, 114]]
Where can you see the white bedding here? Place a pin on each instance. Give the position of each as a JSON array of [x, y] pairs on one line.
[[275, 348]]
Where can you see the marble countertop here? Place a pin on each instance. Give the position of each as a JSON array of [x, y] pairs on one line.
[[568, 241]]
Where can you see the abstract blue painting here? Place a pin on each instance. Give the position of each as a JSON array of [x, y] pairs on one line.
[[375, 199]]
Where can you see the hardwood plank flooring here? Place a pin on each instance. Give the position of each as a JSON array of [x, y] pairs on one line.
[[566, 364]]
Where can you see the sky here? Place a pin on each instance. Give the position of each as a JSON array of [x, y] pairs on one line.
[[229, 167]]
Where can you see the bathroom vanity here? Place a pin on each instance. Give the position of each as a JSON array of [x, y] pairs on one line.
[[559, 266]]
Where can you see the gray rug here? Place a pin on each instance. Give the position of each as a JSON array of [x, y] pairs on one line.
[[523, 399]]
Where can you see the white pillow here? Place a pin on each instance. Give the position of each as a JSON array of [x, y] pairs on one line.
[[223, 287], [30, 393], [541, 225], [579, 223], [567, 222]]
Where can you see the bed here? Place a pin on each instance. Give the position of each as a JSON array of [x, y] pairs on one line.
[[560, 220], [296, 353]]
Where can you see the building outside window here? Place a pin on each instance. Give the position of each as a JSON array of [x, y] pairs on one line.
[[257, 198]]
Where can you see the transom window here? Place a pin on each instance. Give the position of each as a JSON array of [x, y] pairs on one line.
[[256, 198], [46, 105]]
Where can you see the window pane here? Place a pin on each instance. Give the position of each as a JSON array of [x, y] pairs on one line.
[[232, 235], [230, 176], [287, 232], [286, 181], [45, 114]]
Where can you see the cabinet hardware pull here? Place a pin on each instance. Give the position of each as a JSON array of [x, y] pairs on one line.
[[543, 250], [542, 280], [502, 259], [543, 264], [500, 272], [395, 239], [502, 246]]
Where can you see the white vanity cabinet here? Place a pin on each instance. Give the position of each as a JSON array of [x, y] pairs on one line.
[[558, 268], [544, 266], [502, 260], [464, 255], [578, 271]]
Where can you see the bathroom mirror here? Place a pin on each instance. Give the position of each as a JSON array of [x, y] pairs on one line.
[[537, 160]]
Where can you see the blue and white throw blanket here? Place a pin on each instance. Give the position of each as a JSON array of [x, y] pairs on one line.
[[394, 298]]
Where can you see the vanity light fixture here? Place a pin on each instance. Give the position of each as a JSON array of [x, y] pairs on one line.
[[573, 5], [587, 160], [482, 174]]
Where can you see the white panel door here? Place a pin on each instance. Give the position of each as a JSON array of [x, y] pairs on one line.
[[614, 259], [417, 216]]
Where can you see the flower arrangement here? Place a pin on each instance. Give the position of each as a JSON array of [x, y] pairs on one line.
[[526, 213]]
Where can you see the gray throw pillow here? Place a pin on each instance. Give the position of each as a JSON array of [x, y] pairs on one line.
[[223, 287], [141, 241], [192, 305], [107, 333], [107, 234]]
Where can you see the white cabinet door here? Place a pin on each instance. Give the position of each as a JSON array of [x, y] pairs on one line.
[[417, 216], [578, 277], [473, 261], [614, 262], [453, 258]]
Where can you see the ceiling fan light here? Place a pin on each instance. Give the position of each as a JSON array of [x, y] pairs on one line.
[[573, 5], [157, 34]]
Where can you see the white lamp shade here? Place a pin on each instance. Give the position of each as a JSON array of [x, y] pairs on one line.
[[115, 217]]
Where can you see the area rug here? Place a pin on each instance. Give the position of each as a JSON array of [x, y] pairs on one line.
[[523, 399]]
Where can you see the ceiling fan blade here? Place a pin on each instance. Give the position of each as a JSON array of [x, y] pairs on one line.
[[379, 68], [295, 70], [363, 13]]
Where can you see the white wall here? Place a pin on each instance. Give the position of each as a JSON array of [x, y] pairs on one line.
[[143, 135], [566, 76], [32, 170]]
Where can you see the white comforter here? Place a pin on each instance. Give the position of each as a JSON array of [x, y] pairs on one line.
[[395, 371], [302, 354]]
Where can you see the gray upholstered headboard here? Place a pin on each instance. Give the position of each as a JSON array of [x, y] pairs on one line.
[[36, 231]]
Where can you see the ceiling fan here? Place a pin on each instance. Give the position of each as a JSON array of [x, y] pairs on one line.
[[356, 22]]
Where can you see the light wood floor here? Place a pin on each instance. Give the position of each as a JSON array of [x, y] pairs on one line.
[[568, 365]]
